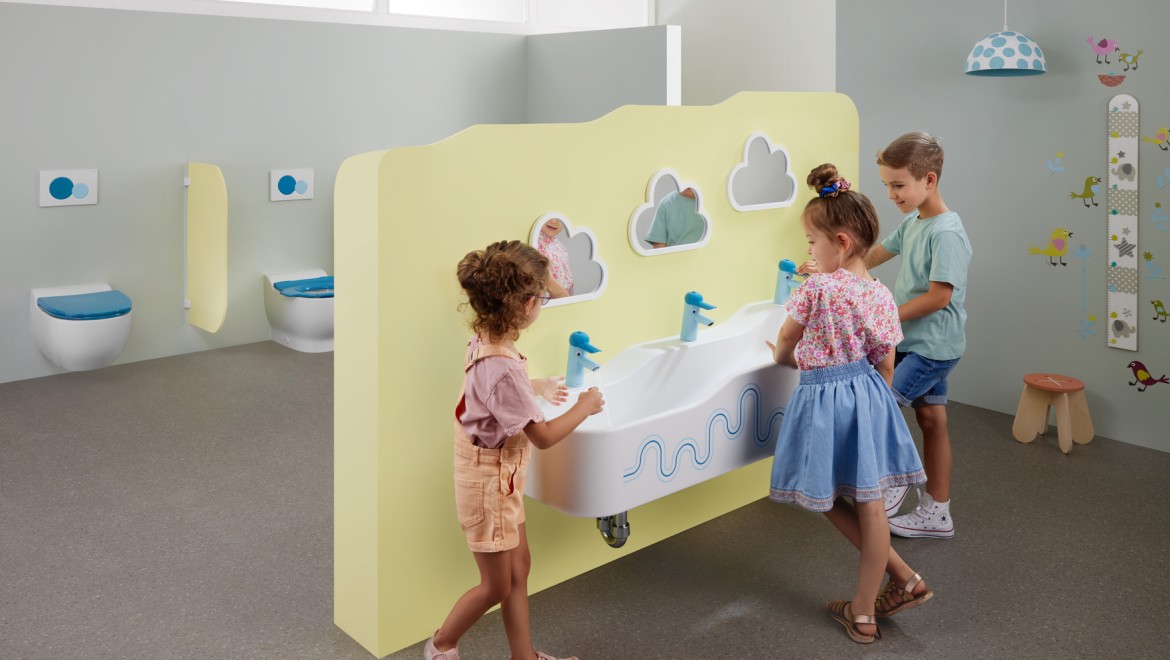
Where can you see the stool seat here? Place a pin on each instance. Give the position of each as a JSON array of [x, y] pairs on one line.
[[1045, 391]]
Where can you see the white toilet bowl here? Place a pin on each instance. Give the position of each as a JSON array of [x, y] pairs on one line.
[[80, 327], [299, 306]]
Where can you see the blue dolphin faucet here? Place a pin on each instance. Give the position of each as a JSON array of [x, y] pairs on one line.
[[575, 371], [691, 316], [785, 281]]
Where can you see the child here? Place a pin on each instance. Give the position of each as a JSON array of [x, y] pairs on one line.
[[560, 283], [843, 434], [495, 420], [930, 291]]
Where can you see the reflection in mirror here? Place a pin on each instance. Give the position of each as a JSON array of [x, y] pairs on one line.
[[672, 218], [763, 180], [576, 273]]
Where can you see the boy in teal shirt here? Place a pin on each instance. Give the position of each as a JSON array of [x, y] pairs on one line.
[[676, 221], [930, 291]]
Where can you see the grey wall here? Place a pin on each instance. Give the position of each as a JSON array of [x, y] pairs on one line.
[[138, 94], [901, 61], [578, 76]]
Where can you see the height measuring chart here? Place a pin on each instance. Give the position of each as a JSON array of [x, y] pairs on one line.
[[1122, 222]]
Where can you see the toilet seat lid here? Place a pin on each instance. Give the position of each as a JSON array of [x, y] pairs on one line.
[[86, 306], [315, 287]]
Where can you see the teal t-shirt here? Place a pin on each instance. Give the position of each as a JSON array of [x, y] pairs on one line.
[[676, 222], [933, 250]]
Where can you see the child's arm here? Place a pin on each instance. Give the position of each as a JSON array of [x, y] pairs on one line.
[[937, 297], [784, 350], [551, 389], [886, 368], [547, 434], [555, 289], [877, 256]]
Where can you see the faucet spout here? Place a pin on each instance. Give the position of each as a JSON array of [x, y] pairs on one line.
[[579, 346], [692, 317], [785, 281]]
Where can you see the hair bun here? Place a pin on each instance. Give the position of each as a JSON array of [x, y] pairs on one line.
[[822, 175]]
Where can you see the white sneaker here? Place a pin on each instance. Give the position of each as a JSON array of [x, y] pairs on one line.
[[893, 498], [928, 519]]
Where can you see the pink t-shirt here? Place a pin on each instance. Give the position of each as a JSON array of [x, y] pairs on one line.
[[845, 318], [498, 401], [558, 260]]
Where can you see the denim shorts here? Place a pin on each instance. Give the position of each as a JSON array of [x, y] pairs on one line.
[[921, 381]]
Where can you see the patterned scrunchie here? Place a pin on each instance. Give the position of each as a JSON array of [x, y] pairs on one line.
[[834, 189]]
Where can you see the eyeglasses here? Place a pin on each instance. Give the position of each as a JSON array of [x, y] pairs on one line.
[[543, 298]]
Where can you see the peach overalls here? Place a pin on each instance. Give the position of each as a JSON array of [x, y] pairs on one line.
[[489, 483]]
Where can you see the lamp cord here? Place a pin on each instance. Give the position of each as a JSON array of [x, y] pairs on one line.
[[1005, 15]]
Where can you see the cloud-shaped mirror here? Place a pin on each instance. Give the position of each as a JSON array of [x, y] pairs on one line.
[[577, 273], [672, 219], [763, 180]]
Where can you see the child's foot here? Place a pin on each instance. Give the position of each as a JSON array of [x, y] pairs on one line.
[[432, 653], [893, 498], [541, 655], [861, 628], [928, 519], [894, 599]]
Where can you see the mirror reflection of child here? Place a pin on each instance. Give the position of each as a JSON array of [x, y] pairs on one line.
[[676, 221], [560, 281]]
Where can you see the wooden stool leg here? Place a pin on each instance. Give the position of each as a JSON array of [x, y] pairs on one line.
[[1033, 405], [1063, 422], [1082, 423]]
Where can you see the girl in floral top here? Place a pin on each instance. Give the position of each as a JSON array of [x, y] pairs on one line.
[[843, 435], [560, 282]]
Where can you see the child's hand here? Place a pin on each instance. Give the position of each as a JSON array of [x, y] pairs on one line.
[[551, 389], [807, 268], [591, 401]]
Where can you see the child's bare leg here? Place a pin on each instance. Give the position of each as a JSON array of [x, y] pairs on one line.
[[875, 549], [936, 450], [515, 607], [845, 518], [495, 579]]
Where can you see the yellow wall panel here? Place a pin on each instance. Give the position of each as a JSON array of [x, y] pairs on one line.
[[404, 218], [207, 244]]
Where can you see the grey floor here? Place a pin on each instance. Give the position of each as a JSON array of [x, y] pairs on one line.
[[181, 508]]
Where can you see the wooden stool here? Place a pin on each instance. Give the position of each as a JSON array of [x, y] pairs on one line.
[[1067, 395]]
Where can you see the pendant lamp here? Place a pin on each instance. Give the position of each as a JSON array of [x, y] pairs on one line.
[[1005, 54]]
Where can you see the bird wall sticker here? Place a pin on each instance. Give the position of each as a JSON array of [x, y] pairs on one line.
[[1159, 310], [1102, 47], [1142, 377], [1130, 61], [1159, 138], [1090, 192], [1057, 246]]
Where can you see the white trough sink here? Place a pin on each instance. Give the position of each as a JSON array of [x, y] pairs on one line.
[[676, 414]]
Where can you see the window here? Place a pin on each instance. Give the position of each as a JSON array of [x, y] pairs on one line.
[[348, 5]]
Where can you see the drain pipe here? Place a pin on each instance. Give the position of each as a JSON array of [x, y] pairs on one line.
[[614, 529]]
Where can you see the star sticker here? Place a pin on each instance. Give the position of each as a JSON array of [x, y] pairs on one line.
[[1126, 105], [1121, 154], [1125, 231], [1148, 256], [1113, 160]]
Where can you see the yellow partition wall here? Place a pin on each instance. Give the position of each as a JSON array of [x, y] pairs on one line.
[[404, 218], [207, 236]]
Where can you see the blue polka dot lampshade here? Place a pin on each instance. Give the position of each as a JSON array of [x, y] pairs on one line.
[[1006, 54]]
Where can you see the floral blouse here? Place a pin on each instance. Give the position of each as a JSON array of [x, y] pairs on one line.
[[845, 318]]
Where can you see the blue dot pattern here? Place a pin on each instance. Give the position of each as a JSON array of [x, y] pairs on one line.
[[1007, 51]]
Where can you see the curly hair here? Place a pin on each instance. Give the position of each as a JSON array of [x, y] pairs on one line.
[[843, 210], [918, 152], [498, 281]]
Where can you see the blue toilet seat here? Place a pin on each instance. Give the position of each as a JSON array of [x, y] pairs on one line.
[[315, 287], [86, 306]]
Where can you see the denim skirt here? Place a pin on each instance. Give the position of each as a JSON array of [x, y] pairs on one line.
[[843, 435]]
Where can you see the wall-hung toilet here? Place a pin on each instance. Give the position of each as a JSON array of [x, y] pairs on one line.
[[299, 306], [80, 327]]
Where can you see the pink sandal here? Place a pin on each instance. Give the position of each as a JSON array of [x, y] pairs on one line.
[[894, 599], [842, 612]]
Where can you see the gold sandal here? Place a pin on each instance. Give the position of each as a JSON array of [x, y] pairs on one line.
[[842, 612], [894, 599]]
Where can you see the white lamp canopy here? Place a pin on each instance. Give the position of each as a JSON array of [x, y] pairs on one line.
[[1006, 54]]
